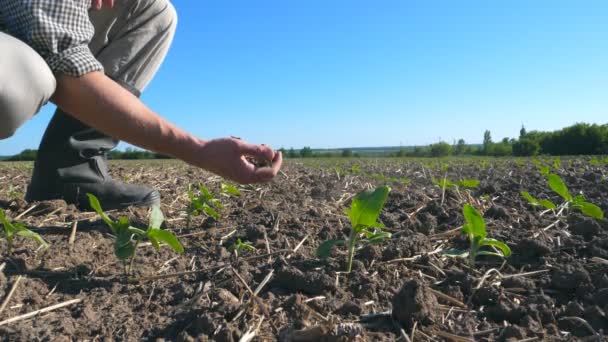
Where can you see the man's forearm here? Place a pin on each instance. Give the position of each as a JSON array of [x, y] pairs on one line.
[[99, 102]]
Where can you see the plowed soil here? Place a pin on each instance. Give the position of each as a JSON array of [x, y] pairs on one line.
[[553, 288]]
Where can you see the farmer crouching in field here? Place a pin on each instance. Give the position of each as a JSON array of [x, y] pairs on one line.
[[93, 59]]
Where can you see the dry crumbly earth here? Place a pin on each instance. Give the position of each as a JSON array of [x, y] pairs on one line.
[[553, 288]]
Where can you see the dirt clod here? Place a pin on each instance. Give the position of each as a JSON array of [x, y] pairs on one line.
[[415, 303]]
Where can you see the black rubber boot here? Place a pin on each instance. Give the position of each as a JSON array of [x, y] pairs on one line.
[[72, 162]]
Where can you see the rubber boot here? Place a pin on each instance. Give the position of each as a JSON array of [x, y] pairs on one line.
[[72, 162]]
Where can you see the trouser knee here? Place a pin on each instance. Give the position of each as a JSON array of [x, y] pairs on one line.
[[26, 84]]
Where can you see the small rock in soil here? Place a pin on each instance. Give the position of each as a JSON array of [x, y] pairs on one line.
[[498, 213], [531, 249], [601, 298], [518, 282], [415, 303], [314, 283], [585, 227], [350, 308], [505, 312], [574, 308], [570, 278], [512, 333], [407, 246]]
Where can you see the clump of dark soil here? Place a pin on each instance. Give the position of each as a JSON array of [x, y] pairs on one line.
[[415, 303]]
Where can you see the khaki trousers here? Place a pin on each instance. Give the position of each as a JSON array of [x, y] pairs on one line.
[[131, 41]]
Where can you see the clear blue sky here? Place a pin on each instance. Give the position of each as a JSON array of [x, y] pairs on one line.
[[373, 73]]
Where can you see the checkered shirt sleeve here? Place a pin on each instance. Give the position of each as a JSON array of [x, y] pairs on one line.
[[59, 30]]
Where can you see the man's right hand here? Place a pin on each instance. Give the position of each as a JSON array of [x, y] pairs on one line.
[[101, 103], [228, 157]]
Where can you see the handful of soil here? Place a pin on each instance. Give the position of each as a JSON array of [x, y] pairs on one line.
[[259, 163]]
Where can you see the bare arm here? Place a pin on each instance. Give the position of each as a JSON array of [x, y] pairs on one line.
[[99, 102]]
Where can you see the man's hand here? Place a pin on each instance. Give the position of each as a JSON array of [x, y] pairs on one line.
[[98, 4], [229, 157], [101, 103]]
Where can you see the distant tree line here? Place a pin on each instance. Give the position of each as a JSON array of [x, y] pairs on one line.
[[578, 139]]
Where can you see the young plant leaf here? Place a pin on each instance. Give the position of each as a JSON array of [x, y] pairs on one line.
[[211, 212], [547, 204], [26, 233], [557, 185], [468, 183], [164, 236], [506, 251], [324, 249], [366, 207], [94, 202], [156, 218], [476, 225], [230, 189], [591, 210], [378, 237], [530, 198]]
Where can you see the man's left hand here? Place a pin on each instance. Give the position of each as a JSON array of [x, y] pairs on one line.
[[98, 4]]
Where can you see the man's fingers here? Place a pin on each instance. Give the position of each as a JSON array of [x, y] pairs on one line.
[[97, 4], [259, 152], [266, 174], [110, 3]]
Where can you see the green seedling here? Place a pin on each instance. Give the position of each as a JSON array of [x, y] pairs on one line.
[[12, 229], [575, 202], [240, 247], [230, 189], [14, 192], [204, 203], [535, 202], [544, 169], [475, 229], [365, 228], [570, 202], [453, 185], [557, 163], [129, 237]]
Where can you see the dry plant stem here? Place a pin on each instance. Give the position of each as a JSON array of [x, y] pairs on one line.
[[41, 311], [10, 294], [453, 337], [242, 281], [73, 234], [26, 212], [414, 331], [526, 274], [448, 298], [583, 322]]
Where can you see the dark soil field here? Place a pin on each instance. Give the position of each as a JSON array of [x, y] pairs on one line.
[[554, 287]]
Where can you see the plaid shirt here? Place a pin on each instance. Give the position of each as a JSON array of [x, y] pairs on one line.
[[59, 30]]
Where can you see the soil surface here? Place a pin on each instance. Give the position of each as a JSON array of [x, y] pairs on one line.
[[553, 288]]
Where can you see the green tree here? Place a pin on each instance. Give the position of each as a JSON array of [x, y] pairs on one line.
[[461, 147], [440, 149], [526, 147], [25, 155], [306, 152], [347, 153], [487, 142]]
